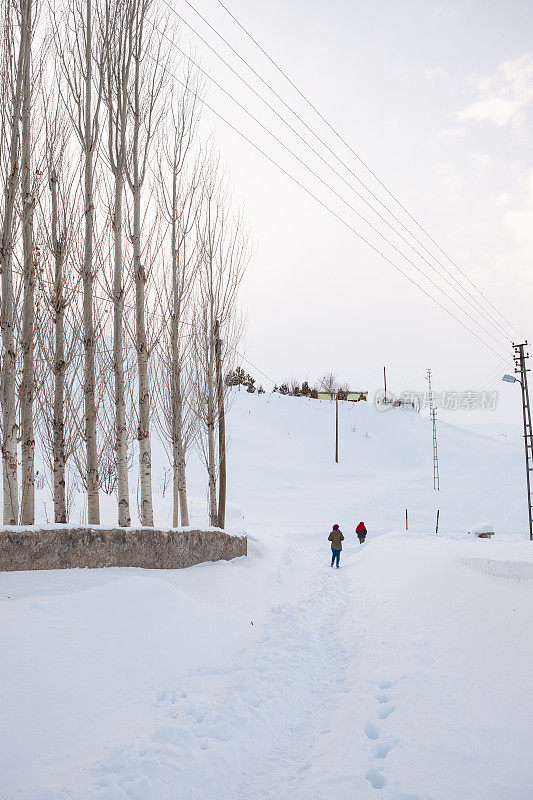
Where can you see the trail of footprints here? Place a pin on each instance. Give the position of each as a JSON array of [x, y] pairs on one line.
[[381, 748]]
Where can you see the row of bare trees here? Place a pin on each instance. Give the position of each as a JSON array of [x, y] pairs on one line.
[[120, 257]]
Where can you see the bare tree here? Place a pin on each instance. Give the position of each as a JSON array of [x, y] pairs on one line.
[[58, 344], [180, 201], [27, 189], [329, 383], [80, 53], [13, 66], [224, 255], [145, 105], [119, 21]]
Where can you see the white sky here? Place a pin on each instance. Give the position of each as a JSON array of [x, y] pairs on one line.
[[437, 98]]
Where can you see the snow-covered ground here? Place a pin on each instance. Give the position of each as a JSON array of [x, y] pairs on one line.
[[405, 675]]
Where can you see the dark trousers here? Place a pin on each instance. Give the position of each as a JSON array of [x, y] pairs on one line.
[[335, 556], [362, 537]]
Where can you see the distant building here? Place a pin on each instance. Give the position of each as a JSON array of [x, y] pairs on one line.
[[352, 397]]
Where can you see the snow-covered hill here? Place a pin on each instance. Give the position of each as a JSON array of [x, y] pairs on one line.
[[405, 675]]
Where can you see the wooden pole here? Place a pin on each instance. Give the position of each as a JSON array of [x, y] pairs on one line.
[[385, 383], [406, 523], [437, 525], [336, 428], [221, 430]]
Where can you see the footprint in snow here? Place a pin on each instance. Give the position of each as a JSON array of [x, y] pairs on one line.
[[382, 698], [371, 730], [382, 749], [385, 685], [385, 712], [375, 778]]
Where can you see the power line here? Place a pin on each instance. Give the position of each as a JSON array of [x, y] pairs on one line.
[[182, 322], [479, 310], [484, 382], [346, 144], [322, 203]]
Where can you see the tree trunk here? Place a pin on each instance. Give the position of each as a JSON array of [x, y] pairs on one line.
[[143, 432], [27, 511], [121, 436], [9, 422], [175, 479], [178, 456], [221, 431], [178, 449], [58, 423], [93, 499]]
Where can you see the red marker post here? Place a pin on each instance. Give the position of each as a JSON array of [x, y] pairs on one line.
[[406, 523], [437, 525]]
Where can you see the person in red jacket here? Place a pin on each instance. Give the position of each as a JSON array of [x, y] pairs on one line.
[[361, 532]]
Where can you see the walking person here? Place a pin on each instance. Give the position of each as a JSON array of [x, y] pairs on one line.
[[361, 532], [336, 538]]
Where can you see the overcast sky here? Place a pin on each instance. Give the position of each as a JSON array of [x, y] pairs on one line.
[[437, 98]]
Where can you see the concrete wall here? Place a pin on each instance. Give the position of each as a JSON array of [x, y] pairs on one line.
[[65, 546]]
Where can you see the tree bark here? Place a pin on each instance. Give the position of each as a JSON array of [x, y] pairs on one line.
[[143, 432], [121, 434], [27, 510], [178, 449], [9, 422], [93, 499], [58, 422], [180, 504]]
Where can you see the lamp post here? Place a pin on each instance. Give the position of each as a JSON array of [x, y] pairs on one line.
[[520, 369]]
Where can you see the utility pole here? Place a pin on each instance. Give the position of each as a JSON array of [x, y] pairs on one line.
[[221, 430], [337, 428], [433, 415], [520, 369]]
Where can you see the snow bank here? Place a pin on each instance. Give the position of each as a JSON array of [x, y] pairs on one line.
[[517, 570]]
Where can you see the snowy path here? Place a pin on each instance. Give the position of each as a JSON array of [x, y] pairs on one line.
[[405, 675], [326, 682]]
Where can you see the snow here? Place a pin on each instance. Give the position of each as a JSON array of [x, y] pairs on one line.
[[405, 675], [481, 527]]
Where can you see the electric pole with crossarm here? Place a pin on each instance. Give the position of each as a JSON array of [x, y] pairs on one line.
[[520, 369], [433, 415]]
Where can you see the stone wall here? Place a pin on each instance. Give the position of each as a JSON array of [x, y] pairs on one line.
[[61, 547]]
